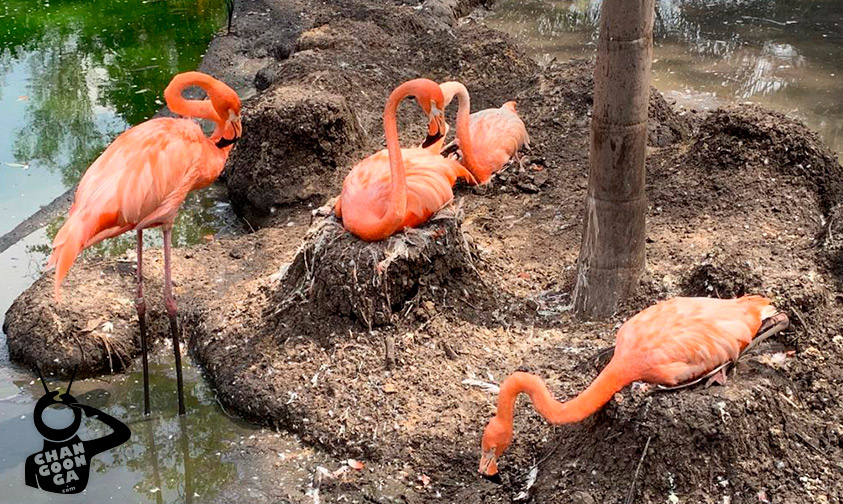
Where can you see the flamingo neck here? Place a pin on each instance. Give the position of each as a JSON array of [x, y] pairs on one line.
[[450, 90], [202, 109], [610, 380], [398, 179]]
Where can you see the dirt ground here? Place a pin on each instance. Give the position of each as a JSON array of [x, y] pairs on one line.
[[741, 201]]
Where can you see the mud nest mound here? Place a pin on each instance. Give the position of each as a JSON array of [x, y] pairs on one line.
[[747, 443], [720, 275], [750, 136], [92, 327], [300, 144], [335, 274]]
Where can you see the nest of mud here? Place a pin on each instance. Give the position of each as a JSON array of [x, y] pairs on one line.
[[335, 274]]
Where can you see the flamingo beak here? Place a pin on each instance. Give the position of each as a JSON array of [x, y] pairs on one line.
[[436, 128], [238, 127], [489, 467]]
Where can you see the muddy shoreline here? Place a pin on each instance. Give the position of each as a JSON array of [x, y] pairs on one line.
[[742, 200]]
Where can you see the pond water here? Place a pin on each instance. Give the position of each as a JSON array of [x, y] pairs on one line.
[[73, 75], [784, 54]]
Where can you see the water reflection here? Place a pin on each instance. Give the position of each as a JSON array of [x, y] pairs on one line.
[[74, 74], [168, 459], [784, 54]]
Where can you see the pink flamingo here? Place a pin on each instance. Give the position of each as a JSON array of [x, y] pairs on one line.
[[488, 139], [669, 343], [399, 188], [141, 180]]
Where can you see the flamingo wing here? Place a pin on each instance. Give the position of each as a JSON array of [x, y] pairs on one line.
[[683, 338], [496, 135], [365, 197], [430, 182], [139, 181]]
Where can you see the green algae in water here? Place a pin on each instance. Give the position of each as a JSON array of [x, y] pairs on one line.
[[75, 74]]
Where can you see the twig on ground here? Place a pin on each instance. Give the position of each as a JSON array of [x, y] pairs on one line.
[[631, 495]]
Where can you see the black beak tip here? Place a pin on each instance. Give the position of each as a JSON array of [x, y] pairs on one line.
[[494, 478], [430, 140]]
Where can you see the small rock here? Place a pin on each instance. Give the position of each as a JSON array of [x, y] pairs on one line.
[[527, 187], [580, 497], [541, 178]]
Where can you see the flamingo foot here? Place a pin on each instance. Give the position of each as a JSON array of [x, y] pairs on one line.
[[719, 378], [641, 387], [769, 327], [522, 160], [325, 210]]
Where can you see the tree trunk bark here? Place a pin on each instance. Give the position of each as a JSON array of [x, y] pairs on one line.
[[612, 253]]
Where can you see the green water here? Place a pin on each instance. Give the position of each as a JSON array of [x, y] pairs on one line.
[[73, 75], [784, 54]]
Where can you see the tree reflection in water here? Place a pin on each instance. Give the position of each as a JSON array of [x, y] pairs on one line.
[[92, 68], [783, 54]]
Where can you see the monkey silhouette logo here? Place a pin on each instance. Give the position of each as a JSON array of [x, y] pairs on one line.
[[63, 465]]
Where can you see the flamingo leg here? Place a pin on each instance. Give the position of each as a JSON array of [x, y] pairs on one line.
[[172, 311], [140, 306]]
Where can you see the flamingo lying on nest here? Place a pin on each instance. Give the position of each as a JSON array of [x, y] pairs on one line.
[[671, 343], [399, 188], [141, 180], [487, 139]]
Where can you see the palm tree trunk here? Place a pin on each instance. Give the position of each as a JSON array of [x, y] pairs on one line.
[[612, 253]]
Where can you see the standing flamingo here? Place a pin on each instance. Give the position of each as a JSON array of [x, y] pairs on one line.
[[672, 342], [398, 188], [141, 180], [488, 139]]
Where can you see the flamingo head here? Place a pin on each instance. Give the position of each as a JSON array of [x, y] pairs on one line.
[[496, 439], [227, 106], [432, 102]]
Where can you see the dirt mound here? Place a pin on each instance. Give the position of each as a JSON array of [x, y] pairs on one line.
[[724, 454], [748, 135], [719, 275], [336, 274], [356, 51], [95, 326], [298, 146], [99, 338], [573, 83], [665, 125]]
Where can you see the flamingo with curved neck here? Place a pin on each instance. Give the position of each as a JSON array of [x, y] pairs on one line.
[[672, 342], [487, 139], [398, 188], [219, 107], [141, 180]]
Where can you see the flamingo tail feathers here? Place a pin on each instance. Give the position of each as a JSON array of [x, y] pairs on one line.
[[81, 230], [66, 247]]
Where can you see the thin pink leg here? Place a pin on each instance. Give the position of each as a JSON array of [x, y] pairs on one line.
[[140, 305], [170, 303]]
